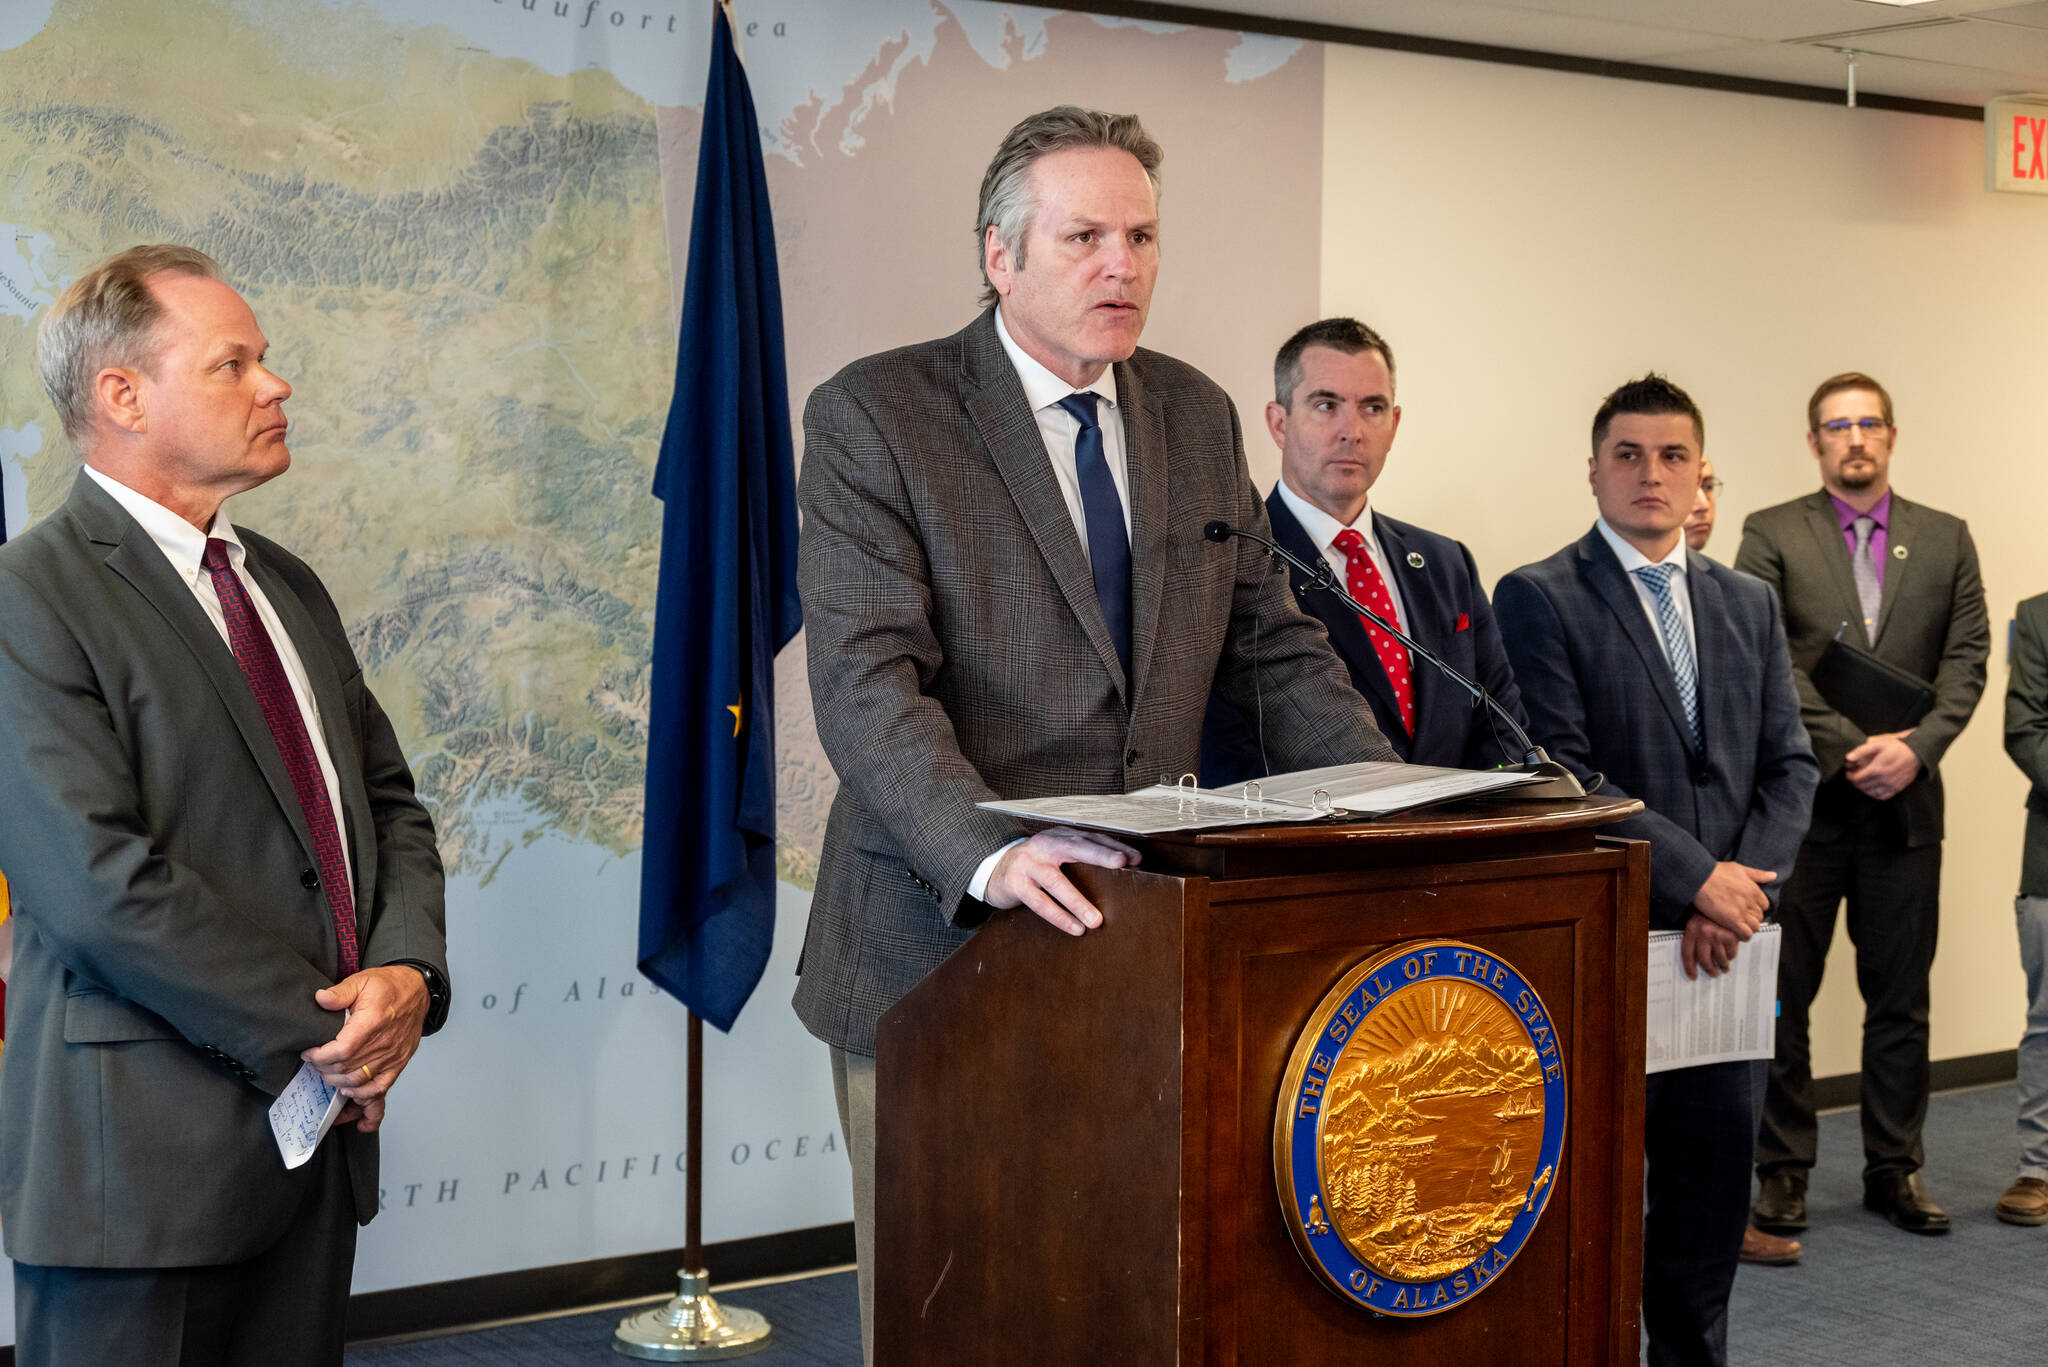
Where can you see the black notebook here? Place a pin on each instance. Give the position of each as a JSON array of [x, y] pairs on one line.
[[1877, 696]]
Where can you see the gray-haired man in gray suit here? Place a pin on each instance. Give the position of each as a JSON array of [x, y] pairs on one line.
[[1007, 592], [215, 852]]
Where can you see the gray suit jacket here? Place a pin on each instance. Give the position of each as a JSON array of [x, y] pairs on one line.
[[2026, 733], [958, 653], [1931, 621], [1601, 699], [171, 930]]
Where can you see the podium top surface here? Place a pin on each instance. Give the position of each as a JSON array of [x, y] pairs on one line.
[[1474, 828], [1472, 817]]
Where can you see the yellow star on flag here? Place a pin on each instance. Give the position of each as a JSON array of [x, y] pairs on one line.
[[734, 708]]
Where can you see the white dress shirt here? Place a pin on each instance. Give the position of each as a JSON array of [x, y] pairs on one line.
[[183, 545], [1681, 595], [1324, 530], [1043, 390], [1059, 430]]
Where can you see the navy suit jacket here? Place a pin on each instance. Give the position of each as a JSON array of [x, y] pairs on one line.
[[1446, 610], [1601, 699]]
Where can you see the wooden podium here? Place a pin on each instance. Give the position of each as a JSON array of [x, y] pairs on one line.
[[1075, 1136]]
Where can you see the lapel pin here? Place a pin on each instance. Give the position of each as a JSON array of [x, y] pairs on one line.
[[1415, 560], [1898, 552]]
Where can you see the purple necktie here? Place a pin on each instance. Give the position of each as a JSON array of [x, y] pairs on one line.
[[257, 655]]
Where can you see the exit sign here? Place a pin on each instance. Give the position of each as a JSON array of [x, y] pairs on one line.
[[2016, 145]]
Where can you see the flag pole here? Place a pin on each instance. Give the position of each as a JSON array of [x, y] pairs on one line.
[[692, 1326], [726, 478]]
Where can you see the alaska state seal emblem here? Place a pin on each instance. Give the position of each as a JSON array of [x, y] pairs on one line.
[[1420, 1127]]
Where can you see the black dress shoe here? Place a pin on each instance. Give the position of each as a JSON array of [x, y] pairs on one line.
[[1900, 1198], [1781, 1202]]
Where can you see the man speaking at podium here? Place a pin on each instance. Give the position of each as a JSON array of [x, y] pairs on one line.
[[215, 851], [1007, 593]]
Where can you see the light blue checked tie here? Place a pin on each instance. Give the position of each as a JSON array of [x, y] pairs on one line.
[[1685, 670]]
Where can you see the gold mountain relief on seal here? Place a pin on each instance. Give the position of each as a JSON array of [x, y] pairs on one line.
[[1431, 1127]]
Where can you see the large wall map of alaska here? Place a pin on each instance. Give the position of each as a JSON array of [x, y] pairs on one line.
[[464, 265], [472, 305]]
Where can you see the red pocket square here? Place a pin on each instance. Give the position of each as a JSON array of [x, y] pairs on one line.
[[1464, 622]]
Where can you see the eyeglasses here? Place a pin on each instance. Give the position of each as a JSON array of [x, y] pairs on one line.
[[1714, 484], [1841, 427]]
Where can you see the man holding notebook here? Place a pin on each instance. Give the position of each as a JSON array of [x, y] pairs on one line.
[[1857, 561]]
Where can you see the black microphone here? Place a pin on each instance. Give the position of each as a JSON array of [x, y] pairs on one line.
[[1558, 780]]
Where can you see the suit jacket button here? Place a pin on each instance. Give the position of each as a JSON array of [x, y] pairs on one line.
[[1131, 758], [308, 879]]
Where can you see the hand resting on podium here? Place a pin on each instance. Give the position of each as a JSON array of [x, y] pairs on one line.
[[1029, 874]]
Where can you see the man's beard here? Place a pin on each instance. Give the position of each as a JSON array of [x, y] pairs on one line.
[[1861, 478]]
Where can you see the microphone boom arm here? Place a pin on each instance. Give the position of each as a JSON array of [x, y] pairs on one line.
[[1561, 781]]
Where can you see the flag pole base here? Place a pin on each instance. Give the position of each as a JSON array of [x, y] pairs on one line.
[[691, 1327]]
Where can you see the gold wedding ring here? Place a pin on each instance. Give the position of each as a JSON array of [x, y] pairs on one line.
[[368, 1074]]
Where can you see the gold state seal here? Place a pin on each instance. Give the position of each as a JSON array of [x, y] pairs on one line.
[[1420, 1126]]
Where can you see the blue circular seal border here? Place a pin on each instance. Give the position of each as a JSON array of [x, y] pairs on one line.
[[1297, 1123]]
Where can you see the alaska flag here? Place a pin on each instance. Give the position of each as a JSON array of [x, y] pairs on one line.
[[727, 598]]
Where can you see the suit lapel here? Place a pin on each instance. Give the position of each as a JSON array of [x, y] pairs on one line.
[[1424, 612], [994, 399], [1712, 643], [1898, 537], [1826, 527], [1347, 633], [1145, 466], [1599, 567], [135, 558], [327, 702]]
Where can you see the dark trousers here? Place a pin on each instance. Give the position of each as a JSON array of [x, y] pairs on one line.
[[1698, 1132], [285, 1307], [1893, 894]]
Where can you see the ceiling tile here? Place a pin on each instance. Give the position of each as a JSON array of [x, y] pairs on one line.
[[2004, 51]]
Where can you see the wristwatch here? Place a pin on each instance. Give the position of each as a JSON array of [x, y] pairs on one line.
[[437, 993]]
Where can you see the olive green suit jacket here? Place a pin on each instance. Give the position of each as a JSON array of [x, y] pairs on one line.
[[1931, 622]]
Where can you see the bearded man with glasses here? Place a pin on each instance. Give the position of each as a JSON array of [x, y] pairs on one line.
[[1901, 581]]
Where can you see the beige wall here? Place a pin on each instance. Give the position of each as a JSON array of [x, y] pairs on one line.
[[1527, 240]]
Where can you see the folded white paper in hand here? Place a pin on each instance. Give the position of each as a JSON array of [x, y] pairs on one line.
[[302, 1115]]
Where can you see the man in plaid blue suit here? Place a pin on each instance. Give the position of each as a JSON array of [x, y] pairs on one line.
[[1644, 660]]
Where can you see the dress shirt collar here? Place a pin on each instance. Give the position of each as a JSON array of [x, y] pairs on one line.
[[1880, 513], [182, 543], [1632, 559], [1042, 388], [1322, 528]]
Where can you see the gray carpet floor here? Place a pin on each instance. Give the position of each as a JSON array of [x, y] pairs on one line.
[[1866, 1295], [1873, 1296]]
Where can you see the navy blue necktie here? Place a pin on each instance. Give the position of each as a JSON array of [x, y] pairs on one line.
[[1109, 547]]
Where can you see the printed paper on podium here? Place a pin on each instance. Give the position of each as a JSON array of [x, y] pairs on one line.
[[1690, 1021], [1356, 790]]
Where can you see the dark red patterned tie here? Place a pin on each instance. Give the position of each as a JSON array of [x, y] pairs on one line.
[[257, 655], [1366, 585]]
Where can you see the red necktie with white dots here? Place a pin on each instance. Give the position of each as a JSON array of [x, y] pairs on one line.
[[257, 655], [1362, 577]]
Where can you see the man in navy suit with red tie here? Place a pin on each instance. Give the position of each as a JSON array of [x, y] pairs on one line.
[[1334, 418]]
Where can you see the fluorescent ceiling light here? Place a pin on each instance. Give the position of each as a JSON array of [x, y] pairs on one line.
[[1898, 3]]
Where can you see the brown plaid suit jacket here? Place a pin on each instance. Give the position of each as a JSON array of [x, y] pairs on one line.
[[957, 652]]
